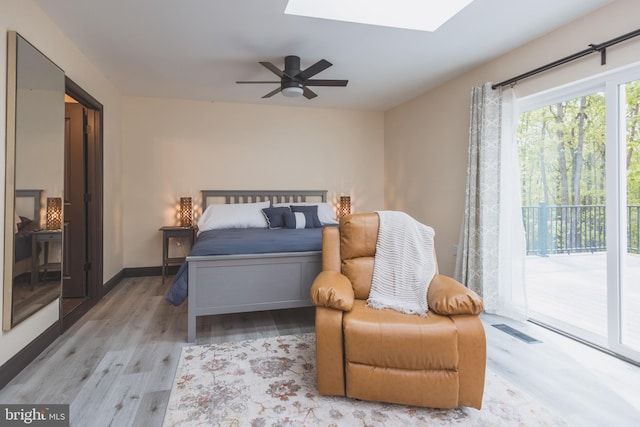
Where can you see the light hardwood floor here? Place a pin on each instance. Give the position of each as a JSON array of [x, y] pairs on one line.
[[115, 366]]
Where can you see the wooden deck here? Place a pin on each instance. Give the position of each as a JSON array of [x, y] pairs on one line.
[[573, 290]]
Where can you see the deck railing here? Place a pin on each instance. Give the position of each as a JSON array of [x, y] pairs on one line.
[[574, 228]]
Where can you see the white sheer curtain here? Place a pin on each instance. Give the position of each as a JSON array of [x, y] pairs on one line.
[[492, 247]]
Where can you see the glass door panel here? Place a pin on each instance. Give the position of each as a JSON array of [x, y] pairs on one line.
[[563, 174]]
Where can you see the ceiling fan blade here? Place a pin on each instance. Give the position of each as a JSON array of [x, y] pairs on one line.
[[319, 66], [308, 93], [273, 92], [275, 70], [259, 82], [326, 82]]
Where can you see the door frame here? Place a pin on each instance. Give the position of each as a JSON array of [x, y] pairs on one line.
[[617, 226], [95, 191]]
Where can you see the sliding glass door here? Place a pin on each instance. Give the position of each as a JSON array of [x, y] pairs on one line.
[[579, 150]]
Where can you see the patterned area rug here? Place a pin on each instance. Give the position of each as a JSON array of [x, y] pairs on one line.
[[272, 382]]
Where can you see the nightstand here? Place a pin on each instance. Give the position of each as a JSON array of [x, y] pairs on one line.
[[44, 237], [174, 232]]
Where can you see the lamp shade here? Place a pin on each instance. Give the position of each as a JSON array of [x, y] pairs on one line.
[[54, 213], [292, 91], [186, 211], [345, 206]]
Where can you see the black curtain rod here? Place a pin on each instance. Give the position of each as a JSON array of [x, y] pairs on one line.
[[602, 48]]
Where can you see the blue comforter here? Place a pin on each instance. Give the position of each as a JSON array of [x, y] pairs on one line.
[[234, 241]]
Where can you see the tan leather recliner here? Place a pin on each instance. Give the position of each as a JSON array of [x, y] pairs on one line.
[[385, 355]]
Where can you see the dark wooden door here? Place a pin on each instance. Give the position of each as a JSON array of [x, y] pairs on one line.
[[75, 204]]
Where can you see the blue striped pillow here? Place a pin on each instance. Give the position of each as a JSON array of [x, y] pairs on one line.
[[298, 220]]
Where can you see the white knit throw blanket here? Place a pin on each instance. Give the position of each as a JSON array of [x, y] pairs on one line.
[[403, 264]]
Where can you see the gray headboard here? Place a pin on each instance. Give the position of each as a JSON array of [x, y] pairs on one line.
[[251, 196], [36, 196]]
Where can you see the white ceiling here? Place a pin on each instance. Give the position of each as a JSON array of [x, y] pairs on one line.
[[197, 49]]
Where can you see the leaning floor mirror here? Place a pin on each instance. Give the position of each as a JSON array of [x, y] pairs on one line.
[[33, 182]]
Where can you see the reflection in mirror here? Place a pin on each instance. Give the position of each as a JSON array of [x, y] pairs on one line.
[[34, 174]]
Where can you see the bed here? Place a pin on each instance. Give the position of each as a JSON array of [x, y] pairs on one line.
[[246, 282], [28, 207]]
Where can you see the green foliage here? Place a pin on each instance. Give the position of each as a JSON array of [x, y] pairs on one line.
[[562, 149], [633, 142]]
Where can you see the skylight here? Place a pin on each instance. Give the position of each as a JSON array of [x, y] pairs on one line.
[[422, 15]]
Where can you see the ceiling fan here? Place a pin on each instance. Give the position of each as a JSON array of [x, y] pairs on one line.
[[294, 81]]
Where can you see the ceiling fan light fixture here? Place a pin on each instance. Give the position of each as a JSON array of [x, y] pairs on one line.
[[292, 91], [295, 82]]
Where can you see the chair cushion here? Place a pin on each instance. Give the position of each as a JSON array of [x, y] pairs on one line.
[[390, 339], [358, 235], [449, 297], [360, 273], [332, 289]]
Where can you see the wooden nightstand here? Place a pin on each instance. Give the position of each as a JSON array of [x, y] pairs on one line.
[[174, 232], [43, 236]]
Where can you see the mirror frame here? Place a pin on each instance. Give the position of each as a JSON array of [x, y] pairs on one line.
[[10, 172], [10, 177]]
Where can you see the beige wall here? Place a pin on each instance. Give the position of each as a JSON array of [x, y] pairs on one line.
[[27, 19], [175, 148], [426, 139]]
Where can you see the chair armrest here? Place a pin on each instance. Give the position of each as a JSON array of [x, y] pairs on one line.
[[448, 297], [332, 289]]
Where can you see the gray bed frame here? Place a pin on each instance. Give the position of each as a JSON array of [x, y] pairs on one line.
[[221, 284]]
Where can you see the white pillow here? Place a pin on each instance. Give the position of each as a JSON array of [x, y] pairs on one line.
[[326, 214], [240, 215]]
